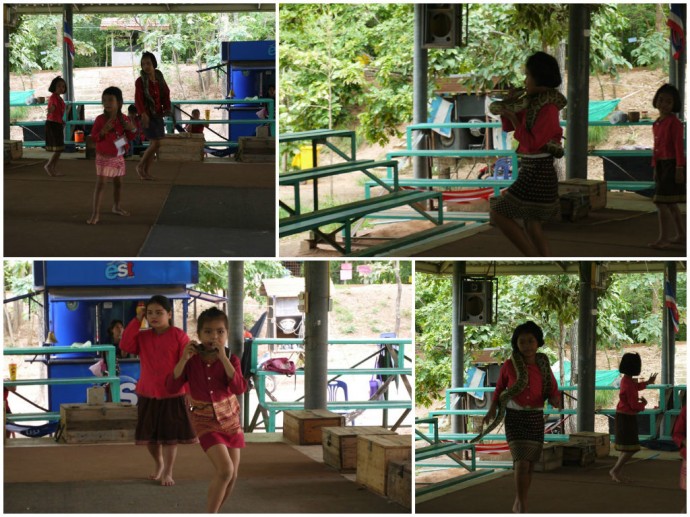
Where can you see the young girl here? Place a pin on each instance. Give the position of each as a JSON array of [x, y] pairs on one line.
[[111, 131], [163, 416], [214, 383], [134, 119], [534, 195], [629, 404], [668, 160], [524, 383], [55, 126], [152, 99]]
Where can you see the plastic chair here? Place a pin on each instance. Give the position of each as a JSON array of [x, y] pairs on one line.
[[333, 387]]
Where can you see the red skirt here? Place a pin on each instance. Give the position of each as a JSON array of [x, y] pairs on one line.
[[110, 166], [218, 422]]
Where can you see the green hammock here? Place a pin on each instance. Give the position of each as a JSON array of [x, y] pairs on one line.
[[21, 98], [599, 110]]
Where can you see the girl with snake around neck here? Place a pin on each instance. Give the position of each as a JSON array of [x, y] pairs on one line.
[[524, 383], [534, 118]]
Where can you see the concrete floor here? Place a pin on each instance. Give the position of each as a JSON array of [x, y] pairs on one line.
[[213, 208]]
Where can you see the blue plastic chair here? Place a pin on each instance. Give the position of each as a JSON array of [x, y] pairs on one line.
[[333, 387]]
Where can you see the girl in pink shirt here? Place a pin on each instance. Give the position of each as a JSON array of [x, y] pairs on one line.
[[111, 131], [214, 380], [163, 416], [55, 126], [629, 405], [668, 160]]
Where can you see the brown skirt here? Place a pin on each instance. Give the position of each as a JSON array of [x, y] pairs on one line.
[[55, 136], [667, 190], [163, 422], [627, 439]]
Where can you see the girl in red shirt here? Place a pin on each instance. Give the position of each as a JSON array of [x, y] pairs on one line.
[[152, 99], [668, 160], [629, 405], [533, 197], [111, 131], [524, 413], [163, 417], [215, 380], [55, 126], [680, 437]]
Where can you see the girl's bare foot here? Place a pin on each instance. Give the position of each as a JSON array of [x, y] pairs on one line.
[[167, 480], [158, 473], [618, 479], [659, 245], [119, 211], [92, 220], [140, 172]]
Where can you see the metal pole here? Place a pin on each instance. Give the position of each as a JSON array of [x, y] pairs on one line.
[[419, 79], [458, 344], [6, 77], [578, 92], [67, 61], [587, 348], [677, 67], [668, 341], [235, 318], [317, 290]]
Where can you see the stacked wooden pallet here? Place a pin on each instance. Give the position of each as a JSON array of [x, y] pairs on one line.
[[255, 149], [182, 147]]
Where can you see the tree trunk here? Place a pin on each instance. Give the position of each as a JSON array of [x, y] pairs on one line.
[[398, 298], [571, 426], [660, 19], [559, 163], [177, 71]]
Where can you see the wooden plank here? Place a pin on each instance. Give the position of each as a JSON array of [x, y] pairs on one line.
[[373, 455]]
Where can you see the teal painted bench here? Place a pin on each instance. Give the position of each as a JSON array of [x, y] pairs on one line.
[[385, 248], [26, 417], [348, 213], [322, 136], [349, 371]]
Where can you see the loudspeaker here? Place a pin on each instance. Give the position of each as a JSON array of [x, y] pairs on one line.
[[441, 25], [476, 304]]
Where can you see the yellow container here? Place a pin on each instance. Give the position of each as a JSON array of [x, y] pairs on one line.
[[304, 158]]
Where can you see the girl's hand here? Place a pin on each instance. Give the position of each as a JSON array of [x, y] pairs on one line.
[[129, 126], [652, 378], [219, 347], [107, 127], [680, 175], [189, 350], [555, 401], [490, 415], [643, 400], [141, 312]]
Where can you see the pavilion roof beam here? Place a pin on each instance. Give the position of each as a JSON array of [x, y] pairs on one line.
[[142, 8]]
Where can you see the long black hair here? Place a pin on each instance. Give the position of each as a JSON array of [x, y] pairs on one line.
[[149, 55]]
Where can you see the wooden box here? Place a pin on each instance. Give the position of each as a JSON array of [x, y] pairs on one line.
[[110, 422], [601, 441], [578, 453], [399, 483], [574, 206], [304, 427], [340, 444], [594, 189], [551, 458], [255, 149], [182, 147], [95, 396], [374, 453], [13, 149]]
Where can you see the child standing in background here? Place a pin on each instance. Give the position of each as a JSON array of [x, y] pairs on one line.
[[134, 119], [629, 405], [195, 128], [214, 383], [668, 160], [163, 416], [152, 99], [55, 126], [111, 131]]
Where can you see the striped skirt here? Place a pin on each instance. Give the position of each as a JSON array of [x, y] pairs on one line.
[[534, 195], [110, 166], [525, 434], [217, 423], [55, 136], [627, 439]]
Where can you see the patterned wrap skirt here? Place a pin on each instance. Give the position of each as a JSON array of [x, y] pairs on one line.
[[534, 195], [110, 166], [55, 136], [163, 422], [156, 129], [667, 190], [525, 433], [218, 422], [627, 439]]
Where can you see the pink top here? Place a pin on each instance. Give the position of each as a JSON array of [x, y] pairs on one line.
[[629, 402], [161, 97], [208, 381], [546, 128], [680, 432], [106, 144], [532, 395], [59, 112], [158, 355], [668, 140]]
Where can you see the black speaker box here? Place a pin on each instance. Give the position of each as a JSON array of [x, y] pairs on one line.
[[441, 25], [476, 302]]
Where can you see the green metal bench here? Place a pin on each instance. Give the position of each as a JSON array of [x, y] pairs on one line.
[[322, 136], [348, 213], [26, 417], [399, 245], [348, 371]]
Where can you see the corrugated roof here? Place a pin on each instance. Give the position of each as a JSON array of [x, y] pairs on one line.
[[130, 24]]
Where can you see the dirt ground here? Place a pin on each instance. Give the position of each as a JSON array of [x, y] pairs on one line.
[[634, 87]]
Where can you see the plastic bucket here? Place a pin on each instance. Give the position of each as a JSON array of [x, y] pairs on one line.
[[79, 137]]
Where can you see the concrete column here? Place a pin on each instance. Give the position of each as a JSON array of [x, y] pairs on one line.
[[420, 165], [458, 345], [587, 349], [67, 62], [677, 67], [6, 89], [316, 334], [668, 340], [578, 92], [235, 311]]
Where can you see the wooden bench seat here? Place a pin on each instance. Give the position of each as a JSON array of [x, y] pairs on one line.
[[351, 371]]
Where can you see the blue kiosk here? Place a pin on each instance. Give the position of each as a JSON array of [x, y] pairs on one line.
[[81, 298]]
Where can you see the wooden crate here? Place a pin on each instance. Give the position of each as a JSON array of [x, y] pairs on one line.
[[304, 427], [594, 189], [110, 422], [578, 453], [601, 441], [551, 458], [374, 453], [340, 444], [182, 147], [574, 206], [399, 483], [254, 149], [13, 150]]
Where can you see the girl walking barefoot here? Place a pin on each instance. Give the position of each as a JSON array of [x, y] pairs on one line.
[[55, 126]]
